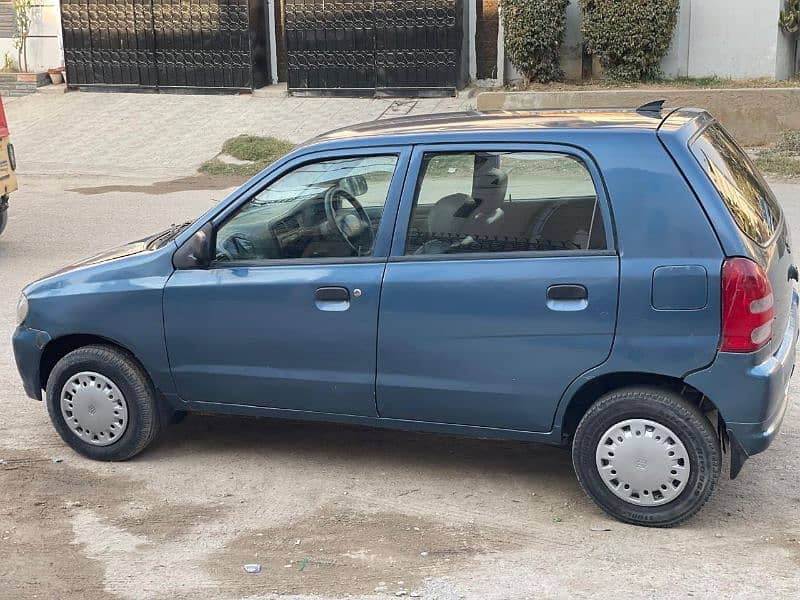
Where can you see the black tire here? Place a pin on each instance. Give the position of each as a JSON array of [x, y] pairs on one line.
[[665, 408], [120, 367]]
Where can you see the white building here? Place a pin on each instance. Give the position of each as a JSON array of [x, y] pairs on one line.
[[44, 43]]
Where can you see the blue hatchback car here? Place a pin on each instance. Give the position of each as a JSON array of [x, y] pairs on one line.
[[618, 281]]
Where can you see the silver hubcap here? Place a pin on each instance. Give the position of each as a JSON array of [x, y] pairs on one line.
[[643, 462], [94, 408]]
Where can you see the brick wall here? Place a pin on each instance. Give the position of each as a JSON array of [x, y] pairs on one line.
[[16, 84], [6, 19]]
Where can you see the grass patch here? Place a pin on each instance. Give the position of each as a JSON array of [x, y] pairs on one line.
[[783, 157], [776, 164], [255, 148], [259, 152]]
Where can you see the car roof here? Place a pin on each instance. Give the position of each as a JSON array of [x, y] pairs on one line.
[[497, 121]]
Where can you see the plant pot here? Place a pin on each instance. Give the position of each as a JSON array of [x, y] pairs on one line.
[[56, 76]]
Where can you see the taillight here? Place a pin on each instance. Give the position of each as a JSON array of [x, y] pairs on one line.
[[747, 306], [3, 123]]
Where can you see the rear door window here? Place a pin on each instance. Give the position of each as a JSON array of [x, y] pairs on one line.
[[741, 187], [499, 202]]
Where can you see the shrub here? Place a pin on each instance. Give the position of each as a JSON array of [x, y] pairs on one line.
[[630, 36], [534, 31], [789, 19]]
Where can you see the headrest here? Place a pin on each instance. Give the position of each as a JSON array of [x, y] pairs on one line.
[[490, 189]]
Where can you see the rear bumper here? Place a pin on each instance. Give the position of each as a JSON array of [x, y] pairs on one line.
[[28, 346], [752, 398]]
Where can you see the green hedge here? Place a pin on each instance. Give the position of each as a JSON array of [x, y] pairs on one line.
[[630, 36], [534, 31]]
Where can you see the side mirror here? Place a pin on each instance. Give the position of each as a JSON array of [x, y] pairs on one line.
[[195, 253]]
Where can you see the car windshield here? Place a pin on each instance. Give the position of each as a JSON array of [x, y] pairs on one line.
[[741, 187]]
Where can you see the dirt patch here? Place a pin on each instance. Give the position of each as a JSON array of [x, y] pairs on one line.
[[69, 533], [163, 521], [183, 184], [37, 556], [676, 83], [333, 552]]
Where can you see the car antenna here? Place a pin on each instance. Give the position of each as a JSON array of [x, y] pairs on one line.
[[653, 107]]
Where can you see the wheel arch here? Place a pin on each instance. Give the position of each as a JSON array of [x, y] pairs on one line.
[[58, 348], [595, 388]]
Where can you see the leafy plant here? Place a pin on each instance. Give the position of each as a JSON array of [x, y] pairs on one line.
[[789, 19], [8, 63], [630, 36], [23, 16], [534, 32]]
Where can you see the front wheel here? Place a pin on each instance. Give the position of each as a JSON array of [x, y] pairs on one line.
[[102, 403], [646, 456]]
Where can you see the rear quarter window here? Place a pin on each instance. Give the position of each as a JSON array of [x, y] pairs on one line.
[[741, 187]]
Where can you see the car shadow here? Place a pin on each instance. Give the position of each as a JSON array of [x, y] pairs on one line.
[[217, 435]]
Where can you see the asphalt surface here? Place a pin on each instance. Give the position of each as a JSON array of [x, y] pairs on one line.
[[331, 511]]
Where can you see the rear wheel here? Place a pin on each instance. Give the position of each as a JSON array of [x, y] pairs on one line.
[[646, 456], [102, 403]]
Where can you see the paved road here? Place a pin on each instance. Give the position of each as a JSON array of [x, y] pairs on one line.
[[329, 511], [170, 135]]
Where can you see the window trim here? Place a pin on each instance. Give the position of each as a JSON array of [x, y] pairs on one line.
[[383, 238], [403, 219], [500, 255]]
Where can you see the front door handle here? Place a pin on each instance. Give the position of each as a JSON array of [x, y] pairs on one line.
[[332, 299], [332, 294], [567, 292]]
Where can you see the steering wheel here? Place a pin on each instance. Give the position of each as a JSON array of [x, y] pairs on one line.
[[350, 226]]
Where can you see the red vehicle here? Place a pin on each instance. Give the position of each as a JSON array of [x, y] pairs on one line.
[[8, 177]]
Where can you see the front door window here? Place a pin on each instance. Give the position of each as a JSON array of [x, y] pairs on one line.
[[327, 209]]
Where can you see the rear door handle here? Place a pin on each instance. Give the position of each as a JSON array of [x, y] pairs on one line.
[[332, 294], [567, 292], [567, 297]]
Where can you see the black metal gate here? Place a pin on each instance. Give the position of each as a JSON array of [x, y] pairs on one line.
[[165, 43], [366, 47]]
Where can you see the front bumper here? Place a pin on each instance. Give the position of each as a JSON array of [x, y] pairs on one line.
[[751, 398], [28, 346]]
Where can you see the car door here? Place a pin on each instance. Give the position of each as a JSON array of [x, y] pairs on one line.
[[501, 287], [286, 315]]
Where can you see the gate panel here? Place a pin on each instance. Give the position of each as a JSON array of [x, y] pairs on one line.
[[165, 43], [373, 46], [330, 45], [77, 42], [115, 55], [417, 45], [145, 43]]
